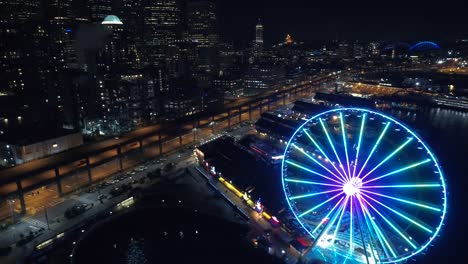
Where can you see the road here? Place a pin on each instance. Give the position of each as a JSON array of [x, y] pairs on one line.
[[130, 140], [37, 198]]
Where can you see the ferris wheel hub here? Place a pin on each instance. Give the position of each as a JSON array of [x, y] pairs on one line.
[[352, 187]]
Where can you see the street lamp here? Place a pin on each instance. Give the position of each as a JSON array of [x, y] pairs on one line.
[[12, 213], [212, 124], [194, 130]]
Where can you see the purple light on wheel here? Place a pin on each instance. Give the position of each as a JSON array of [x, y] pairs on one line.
[[376, 182]]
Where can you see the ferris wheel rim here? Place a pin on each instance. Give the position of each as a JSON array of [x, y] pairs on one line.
[[402, 125]]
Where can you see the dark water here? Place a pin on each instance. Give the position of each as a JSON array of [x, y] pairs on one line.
[[168, 235], [446, 132]]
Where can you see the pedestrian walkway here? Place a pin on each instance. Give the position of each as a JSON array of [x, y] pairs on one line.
[[35, 223], [81, 199]]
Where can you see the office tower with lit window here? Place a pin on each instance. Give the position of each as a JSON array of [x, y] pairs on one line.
[[259, 35], [162, 25], [202, 25], [100, 9], [130, 11], [15, 17]]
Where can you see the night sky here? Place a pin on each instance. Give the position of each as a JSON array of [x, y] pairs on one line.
[[311, 20]]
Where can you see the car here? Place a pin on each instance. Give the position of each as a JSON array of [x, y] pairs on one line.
[[75, 211], [140, 168], [169, 166], [154, 174], [116, 191]]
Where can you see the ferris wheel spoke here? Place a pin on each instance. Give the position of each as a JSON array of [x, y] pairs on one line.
[[328, 215], [399, 170], [359, 143], [374, 148], [380, 236], [318, 163], [389, 156], [363, 172], [423, 185], [319, 205], [339, 220], [418, 203], [416, 222], [393, 226], [312, 194], [324, 154], [311, 182], [351, 246], [343, 132], [333, 147], [313, 172]]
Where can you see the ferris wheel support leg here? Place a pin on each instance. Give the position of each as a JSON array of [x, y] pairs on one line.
[[326, 228], [359, 224]]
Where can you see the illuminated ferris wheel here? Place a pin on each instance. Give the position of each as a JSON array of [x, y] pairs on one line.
[[364, 186]]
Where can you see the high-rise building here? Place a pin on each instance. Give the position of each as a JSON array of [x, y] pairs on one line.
[[162, 24], [100, 9], [130, 11], [113, 52], [258, 42], [260, 76], [15, 17], [259, 34], [202, 26], [61, 24], [19, 11]]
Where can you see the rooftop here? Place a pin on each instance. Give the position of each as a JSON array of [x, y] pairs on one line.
[[111, 20]]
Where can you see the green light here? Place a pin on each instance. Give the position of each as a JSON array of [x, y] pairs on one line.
[[388, 157], [328, 215], [313, 159], [311, 194], [392, 226], [333, 147], [323, 153], [374, 147], [404, 201], [380, 235], [343, 132], [319, 205], [400, 214], [399, 170], [311, 171], [310, 182], [359, 142]]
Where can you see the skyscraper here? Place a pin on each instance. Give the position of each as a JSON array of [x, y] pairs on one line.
[[202, 27], [15, 17], [100, 9], [258, 42], [19, 11], [162, 27], [130, 11], [259, 34]]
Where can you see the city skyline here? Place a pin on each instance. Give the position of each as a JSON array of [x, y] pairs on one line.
[[330, 132], [345, 20]]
